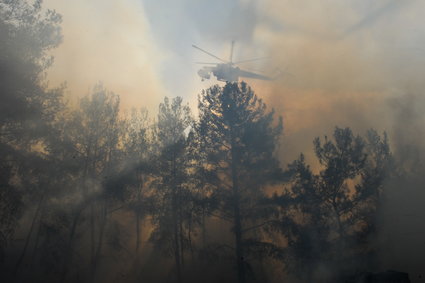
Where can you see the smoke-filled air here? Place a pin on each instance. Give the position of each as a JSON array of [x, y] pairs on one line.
[[231, 141]]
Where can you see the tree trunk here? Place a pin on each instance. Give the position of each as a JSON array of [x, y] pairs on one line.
[[237, 216], [238, 237], [92, 241], [36, 242], [137, 233], [177, 242], [24, 251], [67, 257], [181, 235], [340, 243], [177, 253], [139, 199], [100, 241], [204, 230], [189, 236], [92, 210]]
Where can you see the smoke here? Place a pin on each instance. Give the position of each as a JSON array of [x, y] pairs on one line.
[[403, 231], [107, 41], [356, 63], [345, 61]]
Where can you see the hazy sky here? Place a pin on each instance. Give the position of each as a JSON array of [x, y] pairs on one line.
[[349, 60]]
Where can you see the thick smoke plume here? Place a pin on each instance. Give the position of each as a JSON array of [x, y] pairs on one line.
[[109, 42], [356, 63]]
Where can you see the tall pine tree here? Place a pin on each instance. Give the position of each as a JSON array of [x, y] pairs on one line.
[[240, 138]]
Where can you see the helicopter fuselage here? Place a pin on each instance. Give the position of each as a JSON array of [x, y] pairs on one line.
[[223, 72]]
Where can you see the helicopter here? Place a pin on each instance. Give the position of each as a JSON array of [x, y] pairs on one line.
[[227, 71]]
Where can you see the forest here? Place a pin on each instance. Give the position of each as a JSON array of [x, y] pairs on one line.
[[91, 193]]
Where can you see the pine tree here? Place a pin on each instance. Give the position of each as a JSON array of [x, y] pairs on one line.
[[27, 109], [239, 138], [171, 193], [330, 217]]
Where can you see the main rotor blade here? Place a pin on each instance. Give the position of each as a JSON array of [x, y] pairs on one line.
[[251, 60], [212, 55], [207, 63], [248, 74]]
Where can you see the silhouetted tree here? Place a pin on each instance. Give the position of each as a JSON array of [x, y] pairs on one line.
[[137, 145], [25, 102], [27, 110], [240, 138], [328, 217], [91, 138], [171, 192]]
